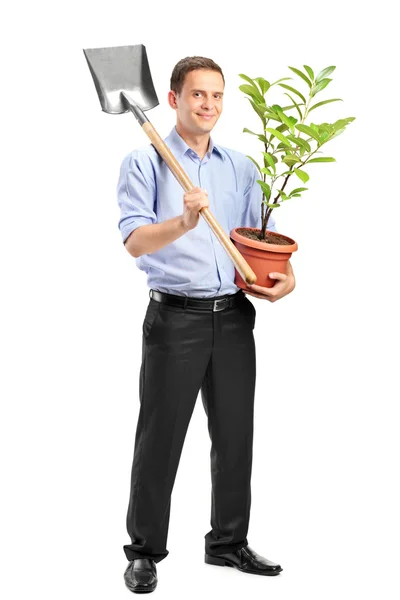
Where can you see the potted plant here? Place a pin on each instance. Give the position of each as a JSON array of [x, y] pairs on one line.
[[289, 145]]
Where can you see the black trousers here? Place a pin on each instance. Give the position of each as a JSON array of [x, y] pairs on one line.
[[186, 350]]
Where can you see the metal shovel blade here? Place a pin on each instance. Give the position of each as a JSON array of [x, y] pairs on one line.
[[121, 69]]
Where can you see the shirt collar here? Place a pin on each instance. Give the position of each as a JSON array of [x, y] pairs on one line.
[[179, 147]]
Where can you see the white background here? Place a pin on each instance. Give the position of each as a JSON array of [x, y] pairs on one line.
[[325, 496]]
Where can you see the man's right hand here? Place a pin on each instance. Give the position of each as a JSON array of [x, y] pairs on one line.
[[193, 202]]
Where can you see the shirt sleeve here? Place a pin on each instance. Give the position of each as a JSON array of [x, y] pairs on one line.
[[251, 216], [136, 193]]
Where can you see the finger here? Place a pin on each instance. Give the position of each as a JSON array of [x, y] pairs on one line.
[[277, 275], [195, 203], [261, 296], [261, 289], [193, 196]]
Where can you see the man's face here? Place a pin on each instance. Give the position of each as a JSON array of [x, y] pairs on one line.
[[199, 105]]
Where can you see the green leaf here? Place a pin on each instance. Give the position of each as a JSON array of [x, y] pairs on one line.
[[254, 161], [324, 73], [298, 190], [271, 115], [283, 79], [282, 195], [290, 159], [342, 122], [291, 89], [279, 135], [250, 90], [264, 84], [302, 175], [309, 131], [320, 86], [324, 102], [325, 127], [339, 132], [253, 92], [245, 130], [282, 127], [295, 104], [272, 205], [265, 188], [261, 137], [267, 171], [259, 111], [300, 142], [321, 159], [289, 121], [270, 160], [249, 80], [309, 71], [301, 74], [338, 126]]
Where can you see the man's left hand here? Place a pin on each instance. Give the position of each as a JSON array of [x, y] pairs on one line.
[[284, 285]]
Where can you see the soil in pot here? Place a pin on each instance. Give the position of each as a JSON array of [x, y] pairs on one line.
[[276, 238]]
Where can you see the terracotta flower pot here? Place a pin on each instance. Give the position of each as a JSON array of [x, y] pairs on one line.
[[263, 258]]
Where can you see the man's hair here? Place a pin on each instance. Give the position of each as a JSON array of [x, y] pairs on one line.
[[191, 63]]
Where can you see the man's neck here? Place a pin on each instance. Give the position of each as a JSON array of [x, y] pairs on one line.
[[198, 143]]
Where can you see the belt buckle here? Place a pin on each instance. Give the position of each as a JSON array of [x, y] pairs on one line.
[[216, 306]]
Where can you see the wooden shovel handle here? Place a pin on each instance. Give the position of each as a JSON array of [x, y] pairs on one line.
[[240, 263]]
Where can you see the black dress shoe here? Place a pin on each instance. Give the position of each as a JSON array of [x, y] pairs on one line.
[[245, 560], [141, 575]]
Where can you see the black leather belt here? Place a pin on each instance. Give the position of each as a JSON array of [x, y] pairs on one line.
[[215, 304]]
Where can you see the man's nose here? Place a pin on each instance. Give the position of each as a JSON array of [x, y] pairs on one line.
[[208, 102]]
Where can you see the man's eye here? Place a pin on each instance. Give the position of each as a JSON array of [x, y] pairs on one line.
[[215, 95]]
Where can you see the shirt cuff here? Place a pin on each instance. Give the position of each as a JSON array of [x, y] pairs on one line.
[[130, 225]]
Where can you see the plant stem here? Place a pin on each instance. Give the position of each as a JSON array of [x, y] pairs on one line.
[[263, 219]]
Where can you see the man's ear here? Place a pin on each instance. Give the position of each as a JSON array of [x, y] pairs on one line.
[[172, 99]]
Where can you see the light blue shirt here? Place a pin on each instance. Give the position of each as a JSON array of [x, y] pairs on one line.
[[195, 264]]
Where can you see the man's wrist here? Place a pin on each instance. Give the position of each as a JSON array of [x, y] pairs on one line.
[[183, 225]]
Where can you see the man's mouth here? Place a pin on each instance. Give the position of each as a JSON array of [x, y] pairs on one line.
[[206, 117]]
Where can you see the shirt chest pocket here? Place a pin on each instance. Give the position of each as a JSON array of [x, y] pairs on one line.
[[228, 208]]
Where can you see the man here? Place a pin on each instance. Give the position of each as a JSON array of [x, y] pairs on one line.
[[198, 327]]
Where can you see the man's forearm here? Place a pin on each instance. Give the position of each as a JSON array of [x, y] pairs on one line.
[[150, 238]]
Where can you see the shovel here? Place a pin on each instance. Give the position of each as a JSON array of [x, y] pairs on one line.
[[123, 82]]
